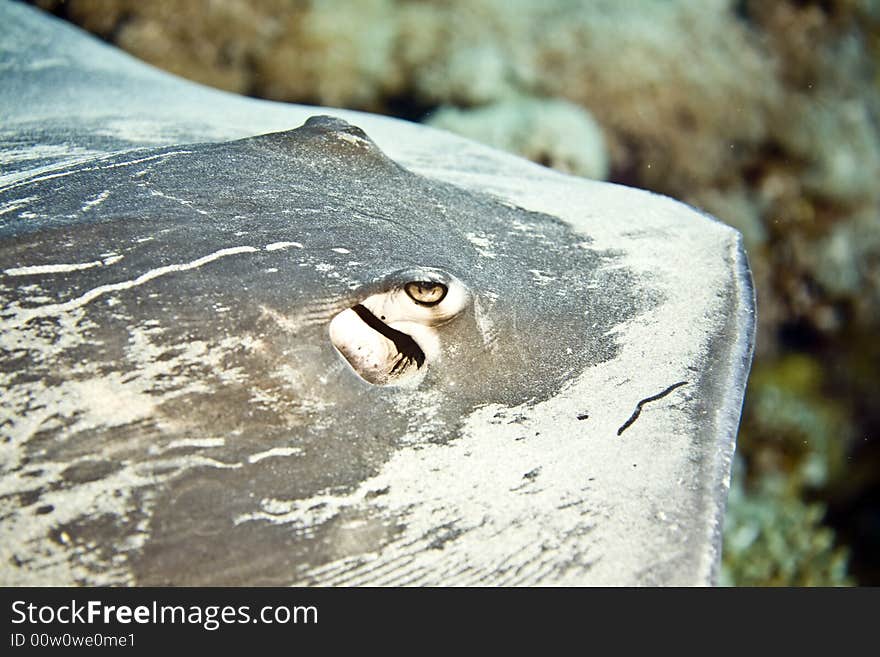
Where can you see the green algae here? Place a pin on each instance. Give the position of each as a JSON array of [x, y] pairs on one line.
[[792, 446], [772, 538]]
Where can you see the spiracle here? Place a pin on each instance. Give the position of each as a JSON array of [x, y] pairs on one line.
[[390, 337]]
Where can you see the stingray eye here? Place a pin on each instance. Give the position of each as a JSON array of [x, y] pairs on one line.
[[426, 293]]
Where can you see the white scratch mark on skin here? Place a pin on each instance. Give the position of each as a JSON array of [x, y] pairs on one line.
[[58, 308], [484, 323], [96, 200], [275, 451], [194, 442], [28, 181], [39, 152], [341, 250], [519, 225], [276, 246], [542, 278], [483, 244], [352, 139], [12, 206], [183, 462], [182, 201], [36, 270], [300, 514], [32, 270]]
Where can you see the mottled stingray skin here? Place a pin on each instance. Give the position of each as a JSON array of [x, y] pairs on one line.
[[236, 350], [172, 410]]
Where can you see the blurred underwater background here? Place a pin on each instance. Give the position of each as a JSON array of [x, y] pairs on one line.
[[764, 113]]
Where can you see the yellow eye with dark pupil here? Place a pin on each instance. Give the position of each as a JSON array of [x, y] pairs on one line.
[[426, 293]]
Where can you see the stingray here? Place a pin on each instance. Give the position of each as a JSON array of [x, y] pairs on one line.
[[247, 343]]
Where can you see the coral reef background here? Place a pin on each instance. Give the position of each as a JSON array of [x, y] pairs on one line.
[[765, 113]]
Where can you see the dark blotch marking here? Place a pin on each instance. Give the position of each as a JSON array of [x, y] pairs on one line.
[[86, 471], [376, 493], [445, 533]]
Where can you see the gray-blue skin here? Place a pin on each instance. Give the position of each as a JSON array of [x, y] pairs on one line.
[[177, 359], [312, 187]]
